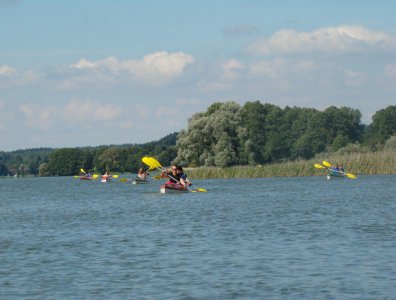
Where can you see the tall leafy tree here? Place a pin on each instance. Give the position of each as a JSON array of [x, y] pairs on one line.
[[382, 127]]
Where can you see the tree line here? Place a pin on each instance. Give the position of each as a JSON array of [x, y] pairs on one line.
[[225, 134], [230, 134], [69, 161]]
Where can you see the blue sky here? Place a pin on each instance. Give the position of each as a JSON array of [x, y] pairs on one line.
[[87, 73]]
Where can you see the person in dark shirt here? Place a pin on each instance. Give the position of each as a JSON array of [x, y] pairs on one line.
[[175, 176]]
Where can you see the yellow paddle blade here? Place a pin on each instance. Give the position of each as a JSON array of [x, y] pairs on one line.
[[318, 166], [115, 176], [124, 179], [155, 162], [327, 164], [148, 162], [349, 175], [95, 176], [157, 177], [201, 190], [82, 170], [76, 176]]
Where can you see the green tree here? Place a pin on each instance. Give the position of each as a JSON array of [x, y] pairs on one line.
[[65, 161], [212, 138], [3, 169], [382, 127]]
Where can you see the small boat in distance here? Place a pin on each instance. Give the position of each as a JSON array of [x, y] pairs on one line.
[[86, 177]]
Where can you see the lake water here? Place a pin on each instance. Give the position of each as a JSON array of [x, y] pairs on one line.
[[278, 238]]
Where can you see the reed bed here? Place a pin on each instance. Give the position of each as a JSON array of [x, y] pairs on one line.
[[369, 163]]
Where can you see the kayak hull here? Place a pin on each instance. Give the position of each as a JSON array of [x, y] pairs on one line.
[[335, 175], [172, 189], [86, 178]]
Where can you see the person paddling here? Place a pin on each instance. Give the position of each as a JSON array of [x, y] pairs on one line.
[[142, 174], [183, 175], [175, 176]]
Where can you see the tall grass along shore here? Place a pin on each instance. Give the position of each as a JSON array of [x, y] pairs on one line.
[[369, 163]]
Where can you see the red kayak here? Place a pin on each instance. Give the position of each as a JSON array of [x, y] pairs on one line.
[[168, 188]]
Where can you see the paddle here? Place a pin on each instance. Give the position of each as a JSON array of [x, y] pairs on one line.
[[124, 179], [155, 163], [349, 175], [318, 166], [199, 189]]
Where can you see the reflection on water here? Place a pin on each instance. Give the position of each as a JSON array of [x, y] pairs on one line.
[[243, 239]]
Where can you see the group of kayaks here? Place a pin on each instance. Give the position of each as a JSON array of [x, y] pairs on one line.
[[334, 171], [166, 188]]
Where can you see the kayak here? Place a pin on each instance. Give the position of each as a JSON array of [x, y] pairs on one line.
[[335, 175], [172, 188], [139, 181], [86, 178]]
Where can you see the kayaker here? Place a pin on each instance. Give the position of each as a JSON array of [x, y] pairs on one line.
[[183, 175], [174, 176], [142, 174], [106, 175]]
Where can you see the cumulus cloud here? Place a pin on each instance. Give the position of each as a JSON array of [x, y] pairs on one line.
[[341, 39], [154, 68]]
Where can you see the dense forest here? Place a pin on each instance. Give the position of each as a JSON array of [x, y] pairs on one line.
[[226, 134]]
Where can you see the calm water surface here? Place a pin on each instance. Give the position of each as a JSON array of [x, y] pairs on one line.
[[279, 238]]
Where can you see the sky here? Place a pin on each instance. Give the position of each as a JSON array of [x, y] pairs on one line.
[[100, 72]]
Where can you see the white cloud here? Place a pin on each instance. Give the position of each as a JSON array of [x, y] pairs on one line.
[[111, 63], [341, 39], [159, 66], [7, 71], [155, 68]]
